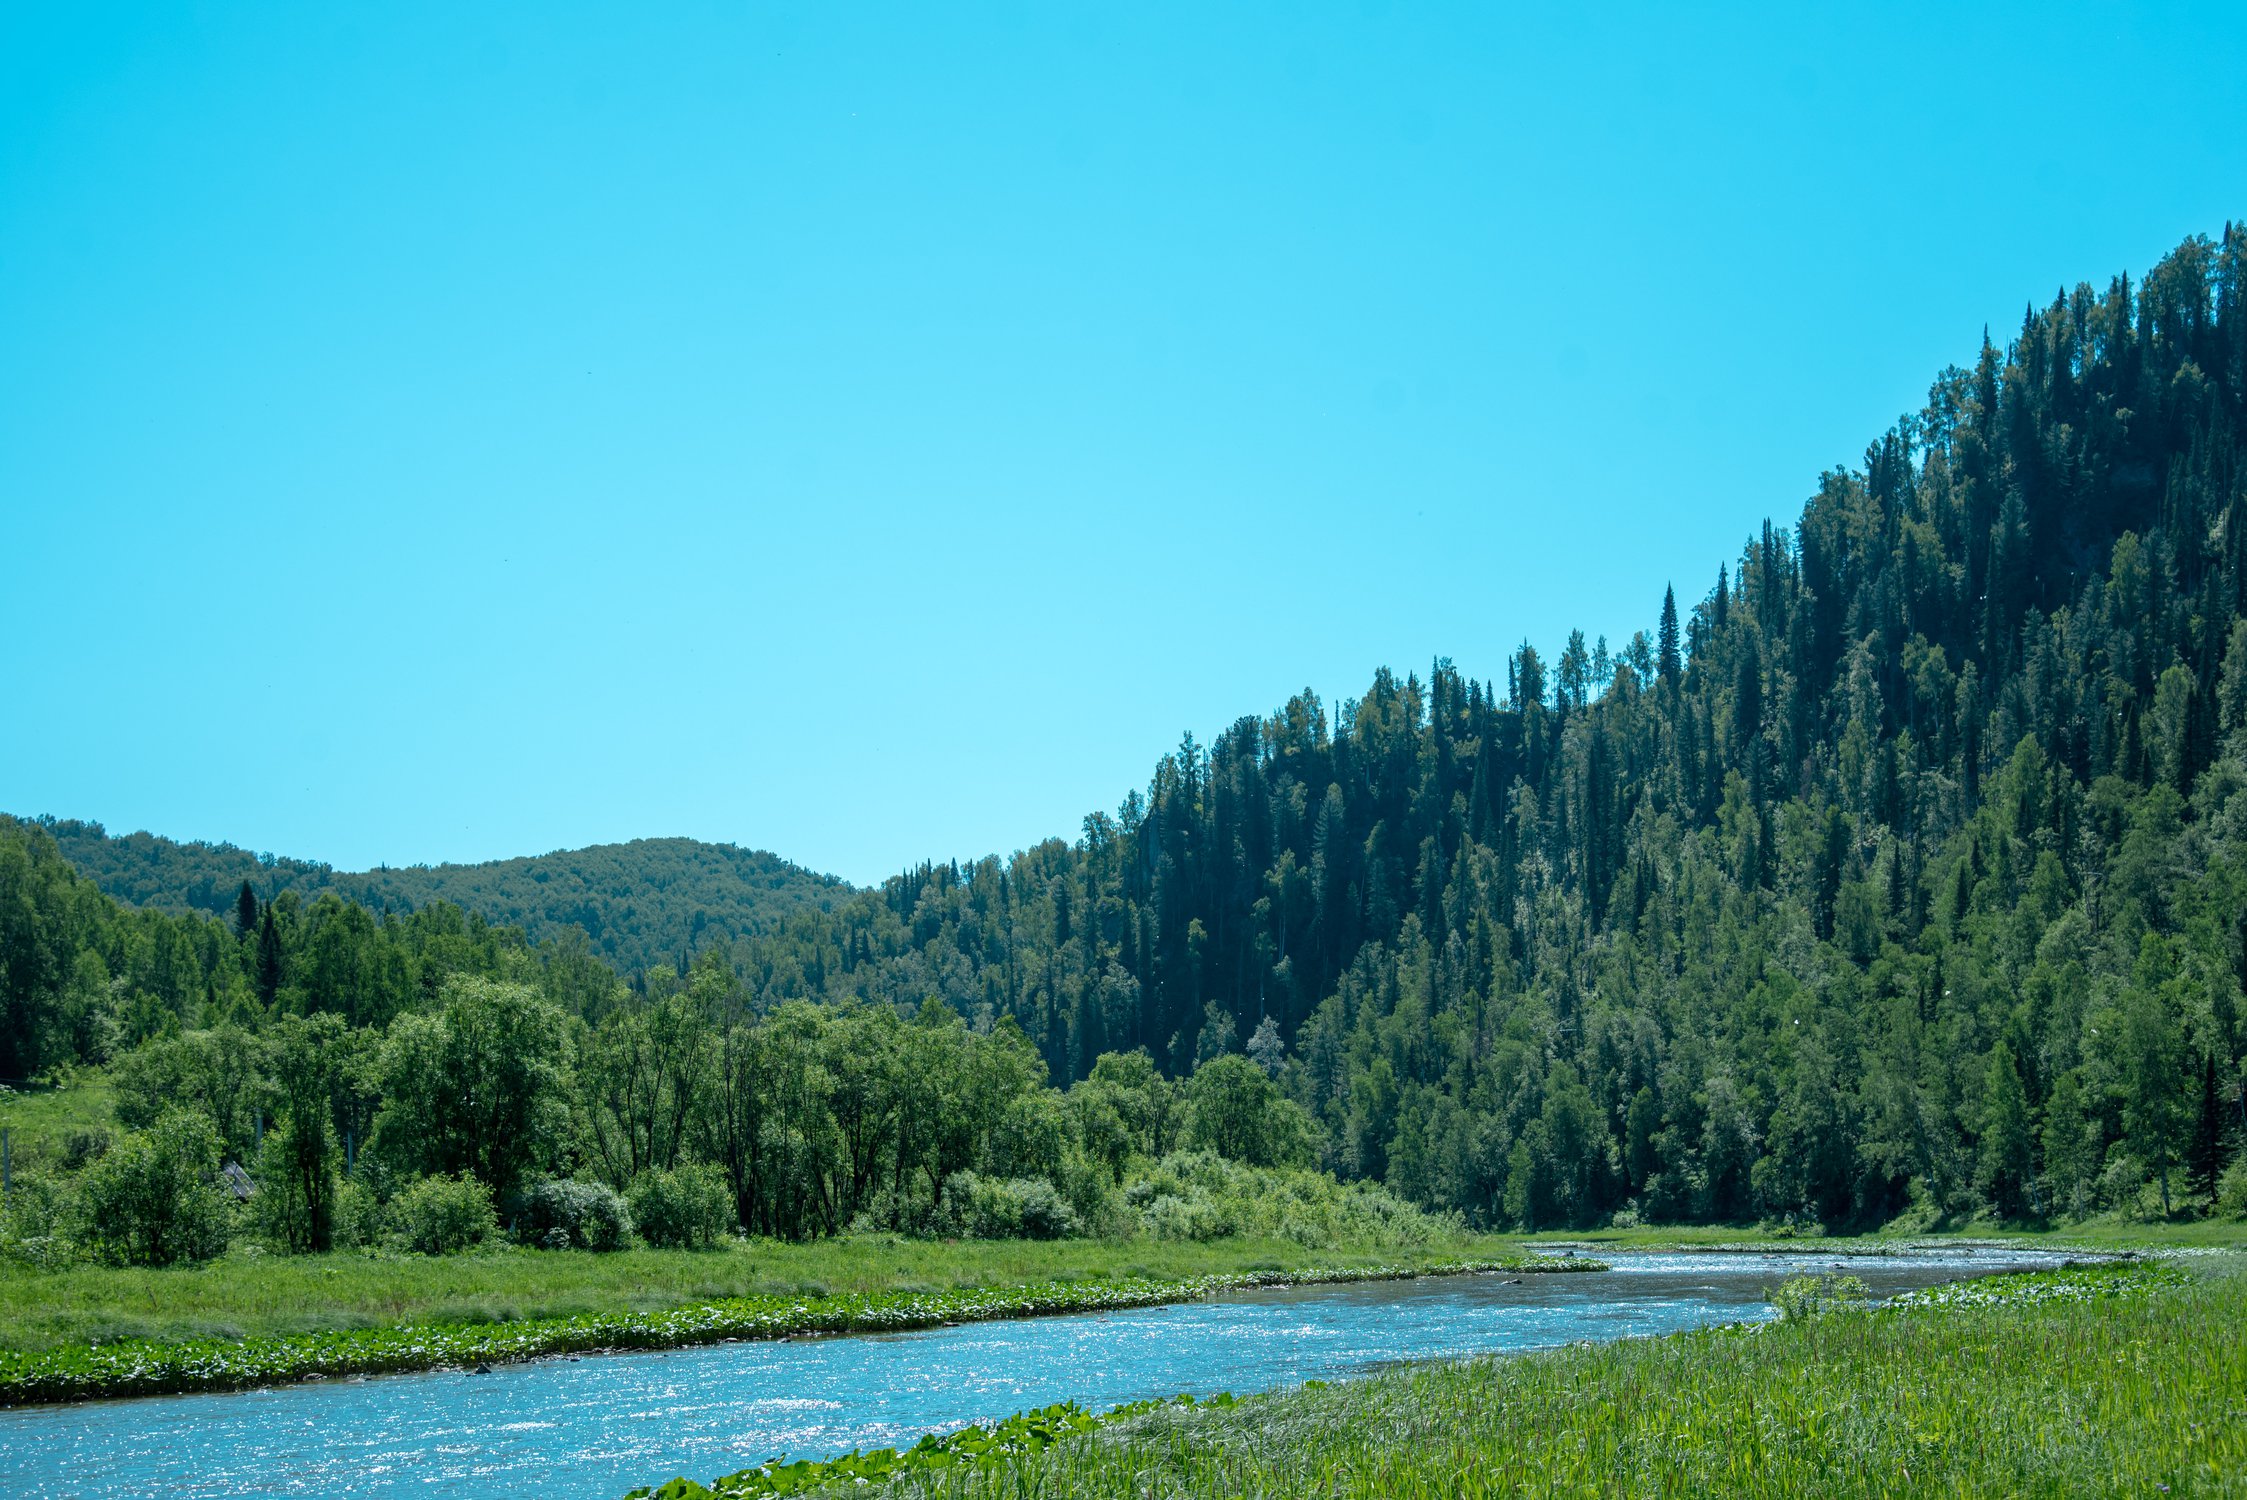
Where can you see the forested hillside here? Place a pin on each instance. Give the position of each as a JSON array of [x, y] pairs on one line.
[[1907, 851], [648, 902], [1902, 868]]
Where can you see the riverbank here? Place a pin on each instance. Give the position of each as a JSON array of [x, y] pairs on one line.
[[250, 1294], [133, 1367], [2104, 1380], [2104, 1236]]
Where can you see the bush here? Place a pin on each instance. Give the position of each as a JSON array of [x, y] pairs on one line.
[[82, 1148], [154, 1199], [443, 1215], [1008, 1208], [573, 1214], [2231, 1189], [1802, 1297], [1198, 1195], [689, 1209], [360, 1218], [36, 1222]]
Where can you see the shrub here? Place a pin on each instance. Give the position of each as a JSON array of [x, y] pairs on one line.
[[442, 1215], [689, 1209], [567, 1214], [82, 1148], [360, 1218], [2231, 1189], [36, 1221], [1198, 1195], [1802, 1297], [1009, 1208], [153, 1199]]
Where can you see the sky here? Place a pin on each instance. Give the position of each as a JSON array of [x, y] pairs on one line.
[[877, 433]]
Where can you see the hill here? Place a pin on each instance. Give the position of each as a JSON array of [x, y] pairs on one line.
[[643, 903], [1906, 865]]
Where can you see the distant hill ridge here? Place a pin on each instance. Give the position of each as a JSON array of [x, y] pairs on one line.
[[640, 903]]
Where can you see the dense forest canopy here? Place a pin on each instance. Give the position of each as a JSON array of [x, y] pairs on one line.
[[644, 903], [1904, 867]]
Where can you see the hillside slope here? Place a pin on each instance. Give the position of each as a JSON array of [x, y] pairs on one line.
[[1908, 864], [643, 903]]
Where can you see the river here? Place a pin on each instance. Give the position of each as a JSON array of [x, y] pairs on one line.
[[592, 1428]]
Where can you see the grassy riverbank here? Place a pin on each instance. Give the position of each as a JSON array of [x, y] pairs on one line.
[[2108, 1381], [251, 1295], [968, 1287], [2104, 1235]]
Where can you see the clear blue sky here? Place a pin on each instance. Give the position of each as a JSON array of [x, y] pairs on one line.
[[871, 433]]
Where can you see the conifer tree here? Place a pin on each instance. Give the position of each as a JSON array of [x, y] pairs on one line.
[[1667, 640]]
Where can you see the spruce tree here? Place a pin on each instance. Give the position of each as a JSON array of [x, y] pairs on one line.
[[1668, 658], [245, 911], [268, 960], [2204, 1160]]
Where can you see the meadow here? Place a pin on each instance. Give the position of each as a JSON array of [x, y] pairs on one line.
[[248, 1294], [2111, 1380]]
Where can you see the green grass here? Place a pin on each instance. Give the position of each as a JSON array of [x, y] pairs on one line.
[[2113, 1381], [135, 1367], [247, 1294], [39, 1120]]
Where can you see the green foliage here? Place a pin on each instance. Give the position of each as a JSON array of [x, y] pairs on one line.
[[153, 1199], [688, 1209], [1198, 1195], [443, 1215], [481, 1085], [1800, 1297], [1239, 1112], [569, 1214], [39, 1221], [1008, 1208], [2231, 1190], [637, 905]]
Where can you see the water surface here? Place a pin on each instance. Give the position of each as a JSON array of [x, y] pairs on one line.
[[598, 1426]]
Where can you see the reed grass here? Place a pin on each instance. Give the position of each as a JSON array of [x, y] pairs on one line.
[[2136, 1387]]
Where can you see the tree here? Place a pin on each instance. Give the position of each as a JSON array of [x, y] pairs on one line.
[[2006, 1163], [2153, 1114], [1666, 657], [2070, 1148], [245, 911], [271, 965], [481, 1086], [2205, 1161], [1265, 1048], [153, 1198], [297, 1169], [1239, 1113]]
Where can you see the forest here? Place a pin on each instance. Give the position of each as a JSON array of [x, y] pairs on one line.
[[650, 901], [1900, 870]]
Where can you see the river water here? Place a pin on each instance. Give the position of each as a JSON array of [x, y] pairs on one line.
[[597, 1426]]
